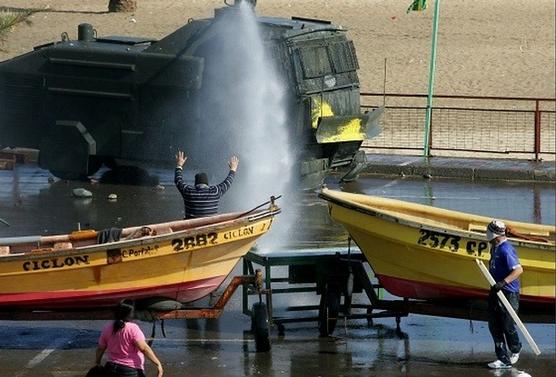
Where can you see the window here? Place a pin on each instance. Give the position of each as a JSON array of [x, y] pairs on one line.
[[343, 57], [314, 61]]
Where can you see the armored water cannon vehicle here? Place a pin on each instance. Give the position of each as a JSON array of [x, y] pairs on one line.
[[113, 99]]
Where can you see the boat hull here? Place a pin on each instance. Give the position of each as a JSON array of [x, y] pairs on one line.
[[430, 263], [183, 266], [182, 292], [439, 292]]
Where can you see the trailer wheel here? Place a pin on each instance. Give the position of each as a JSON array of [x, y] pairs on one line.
[[370, 322], [328, 312], [259, 324]]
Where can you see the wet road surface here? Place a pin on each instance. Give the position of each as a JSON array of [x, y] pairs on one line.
[[427, 346]]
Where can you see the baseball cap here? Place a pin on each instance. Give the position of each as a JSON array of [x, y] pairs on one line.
[[495, 228]]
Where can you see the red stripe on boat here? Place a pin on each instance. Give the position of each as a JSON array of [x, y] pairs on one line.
[[430, 291], [183, 292]]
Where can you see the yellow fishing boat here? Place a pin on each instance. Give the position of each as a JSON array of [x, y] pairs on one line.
[[422, 252], [180, 260]]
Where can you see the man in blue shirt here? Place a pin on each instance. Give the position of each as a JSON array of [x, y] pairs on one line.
[[202, 200], [505, 268]]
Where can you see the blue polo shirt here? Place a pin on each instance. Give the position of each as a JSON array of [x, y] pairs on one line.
[[503, 260]]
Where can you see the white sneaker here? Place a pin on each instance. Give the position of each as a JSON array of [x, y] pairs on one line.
[[514, 358], [499, 365]]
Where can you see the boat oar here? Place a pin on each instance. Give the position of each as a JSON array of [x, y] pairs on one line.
[[509, 308]]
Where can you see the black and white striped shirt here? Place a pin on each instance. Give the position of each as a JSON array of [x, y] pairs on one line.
[[201, 200]]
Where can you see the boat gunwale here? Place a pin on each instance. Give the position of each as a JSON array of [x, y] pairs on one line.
[[362, 208], [147, 240]]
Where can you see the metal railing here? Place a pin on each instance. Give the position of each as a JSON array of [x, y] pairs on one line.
[[514, 127]]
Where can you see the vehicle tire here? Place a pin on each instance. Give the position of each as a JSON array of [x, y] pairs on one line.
[[94, 165], [158, 304], [110, 162], [68, 176], [259, 324], [328, 312]]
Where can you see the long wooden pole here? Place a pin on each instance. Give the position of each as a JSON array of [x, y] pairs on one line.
[[509, 308]]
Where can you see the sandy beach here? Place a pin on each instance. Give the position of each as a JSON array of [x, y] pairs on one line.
[[489, 48]]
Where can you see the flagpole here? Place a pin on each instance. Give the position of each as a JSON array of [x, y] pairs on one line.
[[432, 67]]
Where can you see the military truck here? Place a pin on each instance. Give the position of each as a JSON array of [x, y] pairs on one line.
[[111, 99]]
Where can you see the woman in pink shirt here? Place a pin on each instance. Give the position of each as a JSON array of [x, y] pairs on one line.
[[125, 345]]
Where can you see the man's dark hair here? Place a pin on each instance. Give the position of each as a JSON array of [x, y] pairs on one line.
[[123, 313], [201, 178]]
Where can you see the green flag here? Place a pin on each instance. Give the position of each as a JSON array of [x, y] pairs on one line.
[[417, 5]]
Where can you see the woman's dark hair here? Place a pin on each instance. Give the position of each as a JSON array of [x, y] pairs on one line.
[[123, 314]]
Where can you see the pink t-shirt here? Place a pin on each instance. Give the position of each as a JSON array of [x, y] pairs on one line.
[[121, 346]]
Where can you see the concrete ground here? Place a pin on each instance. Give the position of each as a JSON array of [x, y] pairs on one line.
[[466, 168]]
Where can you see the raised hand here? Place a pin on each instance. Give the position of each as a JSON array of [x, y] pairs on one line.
[[233, 163], [181, 158]]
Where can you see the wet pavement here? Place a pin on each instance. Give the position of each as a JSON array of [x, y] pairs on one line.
[[427, 346], [467, 168]]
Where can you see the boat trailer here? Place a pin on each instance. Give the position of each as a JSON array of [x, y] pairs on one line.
[[165, 309], [339, 272]]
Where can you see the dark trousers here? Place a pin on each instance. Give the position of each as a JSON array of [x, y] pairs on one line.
[[117, 370], [502, 326]]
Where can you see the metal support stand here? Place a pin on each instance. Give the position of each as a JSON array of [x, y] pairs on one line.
[[214, 311], [319, 271]]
